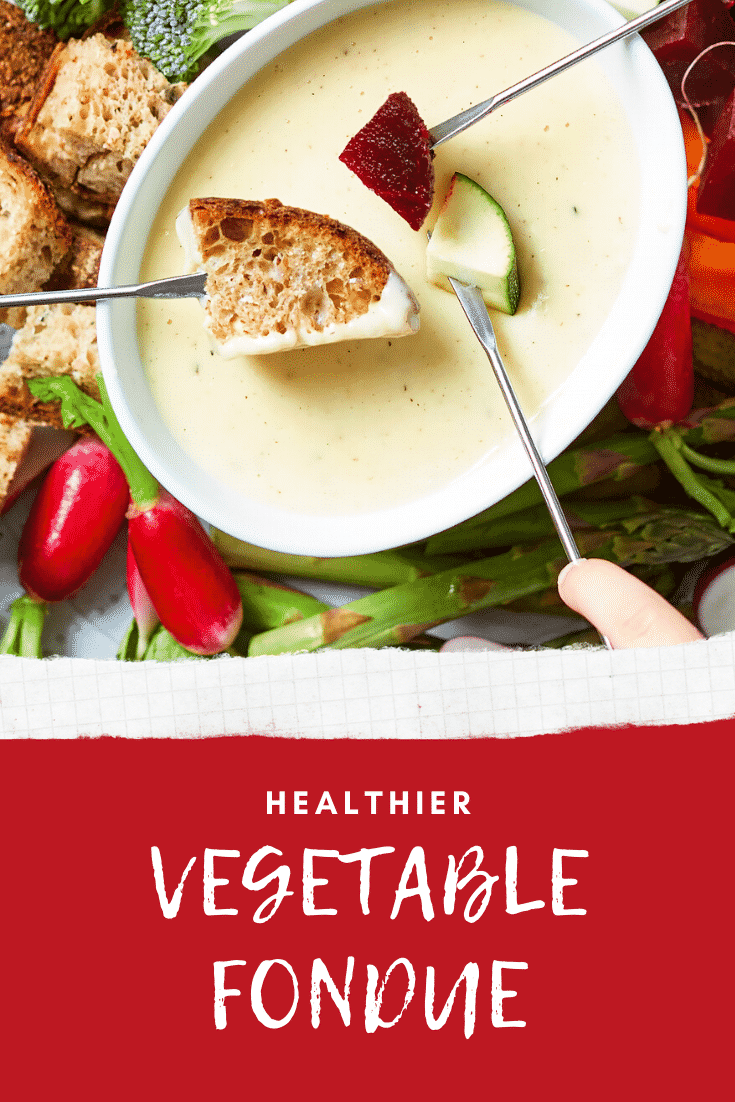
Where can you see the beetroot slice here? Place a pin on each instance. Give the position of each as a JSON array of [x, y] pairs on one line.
[[679, 38], [392, 156], [716, 194]]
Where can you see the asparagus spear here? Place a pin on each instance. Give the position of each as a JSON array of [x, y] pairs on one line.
[[268, 605], [406, 564], [380, 569], [535, 523], [393, 616], [643, 481], [615, 458]]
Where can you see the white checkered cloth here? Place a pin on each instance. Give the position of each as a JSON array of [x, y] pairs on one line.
[[369, 694]]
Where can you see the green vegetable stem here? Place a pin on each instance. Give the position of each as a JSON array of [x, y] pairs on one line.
[[614, 458], [392, 617], [78, 409], [535, 523], [681, 459], [22, 636], [377, 570]]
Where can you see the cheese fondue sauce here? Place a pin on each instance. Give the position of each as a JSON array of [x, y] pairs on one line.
[[365, 425]]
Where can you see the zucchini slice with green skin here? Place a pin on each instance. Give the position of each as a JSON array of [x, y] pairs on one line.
[[472, 242]]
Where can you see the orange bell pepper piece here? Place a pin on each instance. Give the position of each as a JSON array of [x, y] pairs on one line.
[[712, 242]]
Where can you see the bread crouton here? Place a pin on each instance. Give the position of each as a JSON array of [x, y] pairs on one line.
[[279, 277], [34, 235], [80, 267], [15, 437], [96, 108], [54, 340], [24, 52], [21, 466], [77, 208]]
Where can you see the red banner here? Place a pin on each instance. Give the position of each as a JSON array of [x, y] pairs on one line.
[[542, 917]]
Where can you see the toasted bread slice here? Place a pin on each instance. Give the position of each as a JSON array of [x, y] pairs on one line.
[[36, 236], [81, 265], [20, 465], [83, 210], [96, 107], [24, 52], [15, 437], [54, 340], [279, 277]]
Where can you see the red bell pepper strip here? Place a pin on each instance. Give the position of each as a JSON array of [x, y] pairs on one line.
[[659, 390], [712, 244], [722, 229], [192, 590], [712, 280]]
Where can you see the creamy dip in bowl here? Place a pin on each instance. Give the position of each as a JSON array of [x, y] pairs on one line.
[[365, 445]]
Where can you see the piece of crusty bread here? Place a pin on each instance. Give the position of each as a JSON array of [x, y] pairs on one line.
[[35, 236], [81, 265], [280, 277], [96, 107], [54, 340], [82, 210], [24, 52], [15, 436]]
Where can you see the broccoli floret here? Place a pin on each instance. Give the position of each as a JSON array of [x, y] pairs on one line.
[[67, 17], [174, 35]]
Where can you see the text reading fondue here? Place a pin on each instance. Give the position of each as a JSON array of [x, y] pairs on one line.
[[319, 888]]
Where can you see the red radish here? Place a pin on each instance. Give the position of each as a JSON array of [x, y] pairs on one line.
[[392, 156], [74, 518], [660, 388], [76, 515], [145, 614], [714, 597], [191, 588], [470, 643]]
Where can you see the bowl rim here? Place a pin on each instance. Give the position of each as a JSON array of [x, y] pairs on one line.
[[506, 467]]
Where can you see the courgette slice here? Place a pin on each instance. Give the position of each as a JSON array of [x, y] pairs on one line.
[[472, 241]]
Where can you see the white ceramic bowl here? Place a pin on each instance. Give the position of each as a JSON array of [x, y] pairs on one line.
[[659, 149]]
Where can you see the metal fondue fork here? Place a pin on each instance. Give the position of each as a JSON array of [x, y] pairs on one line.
[[186, 286], [445, 130], [473, 304]]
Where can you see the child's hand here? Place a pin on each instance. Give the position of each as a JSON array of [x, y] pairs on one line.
[[627, 611]]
